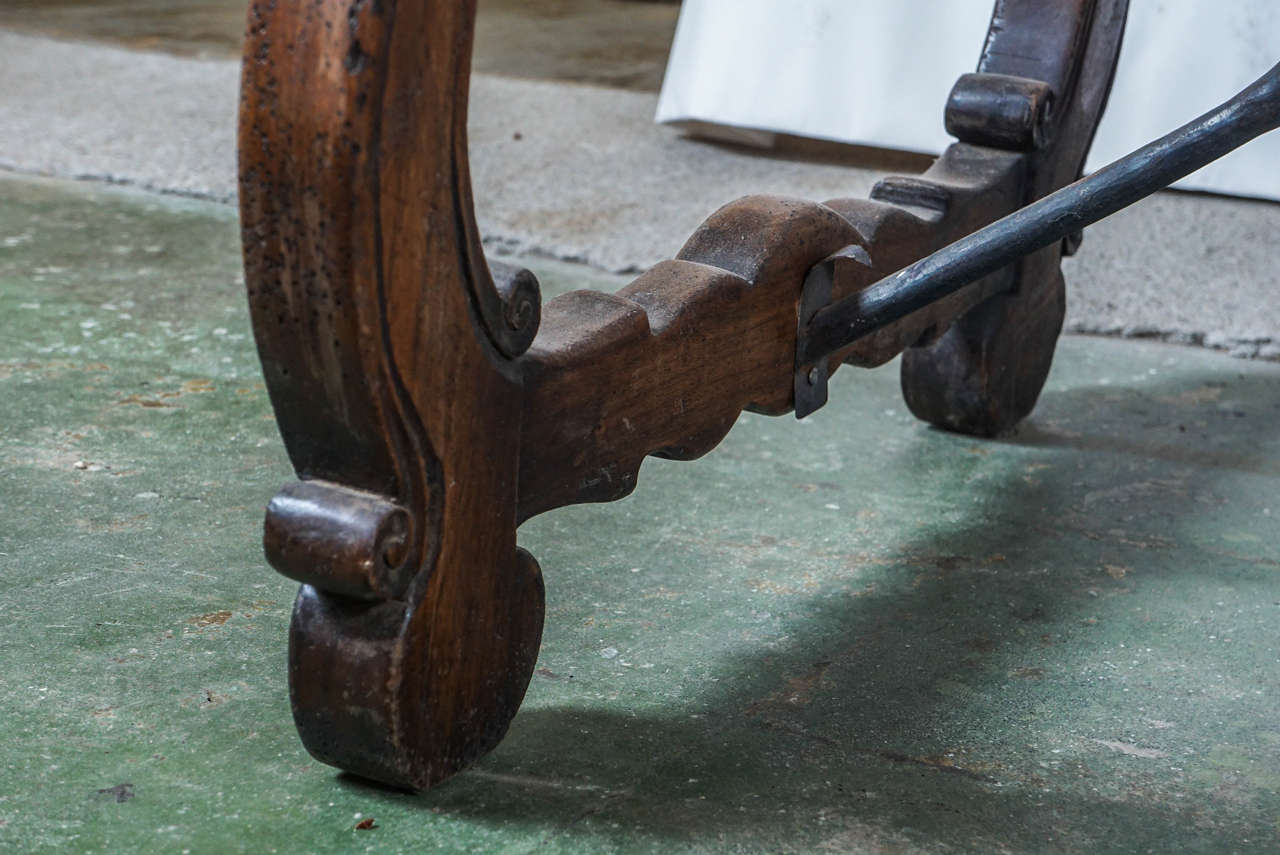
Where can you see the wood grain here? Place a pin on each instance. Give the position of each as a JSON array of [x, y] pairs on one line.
[[984, 375], [430, 403], [387, 350]]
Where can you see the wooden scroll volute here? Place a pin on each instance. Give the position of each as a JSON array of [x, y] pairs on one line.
[[415, 632], [1058, 59]]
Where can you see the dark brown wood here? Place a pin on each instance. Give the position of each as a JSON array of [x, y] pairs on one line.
[[985, 373], [430, 404], [665, 366], [388, 353], [827, 327]]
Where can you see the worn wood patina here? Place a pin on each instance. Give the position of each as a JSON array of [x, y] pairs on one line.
[[430, 403]]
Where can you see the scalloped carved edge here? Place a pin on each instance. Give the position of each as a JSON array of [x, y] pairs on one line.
[[428, 407]]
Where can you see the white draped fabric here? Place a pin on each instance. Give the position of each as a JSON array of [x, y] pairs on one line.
[[877, 72]]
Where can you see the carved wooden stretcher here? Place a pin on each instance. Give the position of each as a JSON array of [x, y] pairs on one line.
[[430, 404]]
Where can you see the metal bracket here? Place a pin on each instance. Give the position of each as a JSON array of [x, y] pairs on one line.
[[811, 378]]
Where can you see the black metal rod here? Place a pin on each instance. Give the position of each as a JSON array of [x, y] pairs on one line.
[[1251, 113]]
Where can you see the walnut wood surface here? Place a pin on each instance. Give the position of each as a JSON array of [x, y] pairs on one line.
[[430, 404], [985, 374], [666, 365], [387, 349]]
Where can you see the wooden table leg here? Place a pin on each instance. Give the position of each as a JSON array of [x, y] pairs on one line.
[[429, 402]]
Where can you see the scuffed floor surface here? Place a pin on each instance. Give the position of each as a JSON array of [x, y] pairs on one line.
[[848, 634], [606, 42]]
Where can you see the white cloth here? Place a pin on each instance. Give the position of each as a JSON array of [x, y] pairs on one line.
[[877, 72]]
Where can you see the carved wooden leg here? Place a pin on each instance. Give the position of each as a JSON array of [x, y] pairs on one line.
[[389, 354], [985, 373], [428, 407]]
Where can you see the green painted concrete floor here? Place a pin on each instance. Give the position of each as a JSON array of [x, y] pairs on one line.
[[850, 634]]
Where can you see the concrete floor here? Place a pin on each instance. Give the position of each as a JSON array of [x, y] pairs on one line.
[[848, 634], [619, 43], [581, 173]]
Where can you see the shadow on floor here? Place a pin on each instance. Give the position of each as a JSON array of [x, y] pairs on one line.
[[937, 710]]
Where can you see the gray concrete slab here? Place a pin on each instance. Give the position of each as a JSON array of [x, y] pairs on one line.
[[847, 634], [620, 43], [581, 173]]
